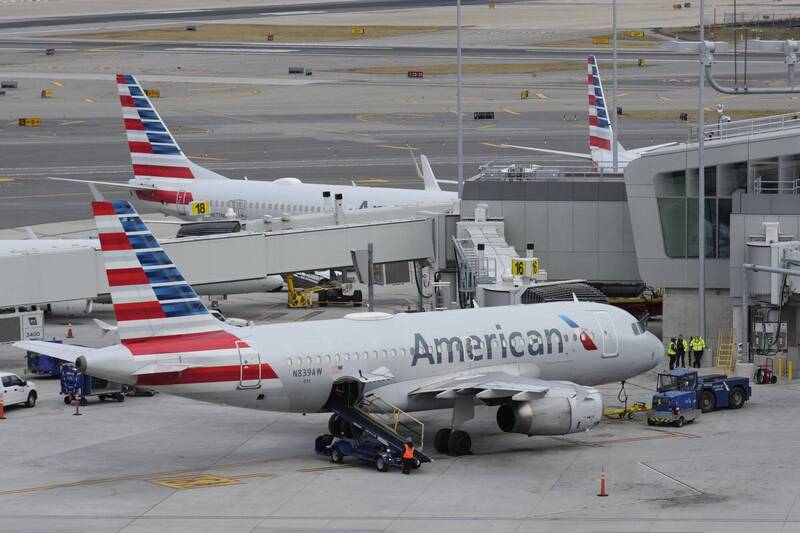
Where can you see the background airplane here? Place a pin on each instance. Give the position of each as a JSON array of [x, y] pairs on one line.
[[165, 177], [601, 135], [534, 363]]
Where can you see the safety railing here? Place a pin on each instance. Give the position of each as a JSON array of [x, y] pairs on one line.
[[397, 420], [543, 170], [762, 186], [738, 128]]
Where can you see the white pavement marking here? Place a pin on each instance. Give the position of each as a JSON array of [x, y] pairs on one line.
[[233, 50], [152, 78]]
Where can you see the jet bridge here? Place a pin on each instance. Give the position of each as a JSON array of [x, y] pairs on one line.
[[219, 264]]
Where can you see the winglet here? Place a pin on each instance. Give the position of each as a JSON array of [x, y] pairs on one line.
[[431, 185]]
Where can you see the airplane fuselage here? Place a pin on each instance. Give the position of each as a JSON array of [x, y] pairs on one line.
[[282, 368], [254, 199]]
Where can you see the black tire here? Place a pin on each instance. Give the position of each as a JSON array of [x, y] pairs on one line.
[[708, 402], [102, 397], [322, 442], [358, 298], [679, 422], [335, 424], [760, 376], [336, 456], [67, 399], [440, 440], [416, 463], [31, 401], [84, 402], [630, 415], [120, 397], [381, 465], [459, 443], [774, 379], [736, 398]]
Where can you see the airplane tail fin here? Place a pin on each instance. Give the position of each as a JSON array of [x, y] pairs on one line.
[[600, 131], [428, 176], [153, 303], [155, 155]]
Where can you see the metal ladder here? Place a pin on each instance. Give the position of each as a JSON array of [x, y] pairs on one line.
[[725, 344]]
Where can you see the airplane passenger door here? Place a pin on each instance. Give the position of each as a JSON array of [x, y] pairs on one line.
[[182, 204], [249, 366], [608, 334]]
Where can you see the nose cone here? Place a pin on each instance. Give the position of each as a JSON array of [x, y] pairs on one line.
[[654, 350]]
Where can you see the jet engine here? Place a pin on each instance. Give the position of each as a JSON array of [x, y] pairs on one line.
[[559, 412]]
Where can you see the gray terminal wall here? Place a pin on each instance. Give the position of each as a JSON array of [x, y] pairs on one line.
[[581, 229]]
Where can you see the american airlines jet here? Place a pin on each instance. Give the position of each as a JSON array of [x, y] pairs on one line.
[[166, 178], [601, 135], [536, 364]]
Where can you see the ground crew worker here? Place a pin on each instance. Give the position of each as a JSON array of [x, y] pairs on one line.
[[672, 353], [698, 346], [408, 455], [681, 348]]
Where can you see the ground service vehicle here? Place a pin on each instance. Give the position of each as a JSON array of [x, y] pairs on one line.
[[361, 446], [16, 390]]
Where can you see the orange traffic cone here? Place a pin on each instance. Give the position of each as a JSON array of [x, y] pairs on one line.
[[69, 330], [602, 482], [2, 407]]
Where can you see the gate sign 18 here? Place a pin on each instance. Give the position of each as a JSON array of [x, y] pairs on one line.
[[200, 208]]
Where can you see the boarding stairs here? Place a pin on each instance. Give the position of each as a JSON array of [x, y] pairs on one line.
[[384, 422]]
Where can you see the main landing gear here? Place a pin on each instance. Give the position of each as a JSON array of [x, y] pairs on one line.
[[452, 440]]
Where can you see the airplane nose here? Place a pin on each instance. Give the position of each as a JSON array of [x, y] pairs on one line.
[[654, 349]]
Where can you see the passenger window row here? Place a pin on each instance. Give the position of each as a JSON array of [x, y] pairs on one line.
[[269, 206], [347, 356]]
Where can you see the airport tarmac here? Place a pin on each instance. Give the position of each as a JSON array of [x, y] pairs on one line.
[[150, 464]]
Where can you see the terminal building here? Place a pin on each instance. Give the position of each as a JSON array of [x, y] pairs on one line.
[[642, 225]]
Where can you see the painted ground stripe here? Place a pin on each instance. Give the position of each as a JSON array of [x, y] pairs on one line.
[[210, 375], [183, 343]]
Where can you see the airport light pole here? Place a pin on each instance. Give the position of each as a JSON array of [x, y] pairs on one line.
[[614, 132], [460, 141], [701, 185]]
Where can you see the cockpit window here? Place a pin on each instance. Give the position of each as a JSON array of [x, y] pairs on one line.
[[638, 329]]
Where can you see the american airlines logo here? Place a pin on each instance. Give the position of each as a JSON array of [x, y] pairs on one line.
[[495, 345]]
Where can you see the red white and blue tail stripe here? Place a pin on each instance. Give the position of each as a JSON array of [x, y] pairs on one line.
[[156, 309], [600, 136], [155, 154]]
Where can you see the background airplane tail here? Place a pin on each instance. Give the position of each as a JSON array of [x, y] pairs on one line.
[[600, 131], [151, 298], [154, 152]]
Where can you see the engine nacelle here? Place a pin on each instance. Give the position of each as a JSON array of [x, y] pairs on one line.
[[557, 413]]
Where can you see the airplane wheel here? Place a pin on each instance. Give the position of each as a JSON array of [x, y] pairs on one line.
[[459, 443], [440, 440]]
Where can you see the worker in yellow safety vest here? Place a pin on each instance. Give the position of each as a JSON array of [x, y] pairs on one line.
[[698, 346], [672, 353], [408, 455]]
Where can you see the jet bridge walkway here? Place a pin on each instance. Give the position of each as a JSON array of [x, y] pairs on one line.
[[358, 415]]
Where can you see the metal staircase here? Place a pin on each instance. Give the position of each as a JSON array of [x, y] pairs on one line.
[[725, 345]]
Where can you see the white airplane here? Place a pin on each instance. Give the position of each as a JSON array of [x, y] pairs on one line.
[[600, 132], [535, 363], [164, 176]]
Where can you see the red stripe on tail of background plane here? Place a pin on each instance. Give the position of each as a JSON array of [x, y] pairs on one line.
[[186, 342], [162, 171], [114, 241], [102, 208], [600, 143], [126, 276], [210, 374], [133, 124], [126, 101], [140, 147], [139, 311]]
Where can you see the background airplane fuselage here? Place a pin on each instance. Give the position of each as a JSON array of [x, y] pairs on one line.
[[257, 198]]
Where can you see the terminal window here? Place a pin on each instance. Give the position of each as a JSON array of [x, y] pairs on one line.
[[676, 194]]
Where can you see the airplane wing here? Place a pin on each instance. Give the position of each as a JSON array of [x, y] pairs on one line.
[[548, 151], [496, 385], [64, 352], [106, 183]]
